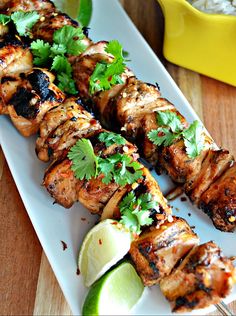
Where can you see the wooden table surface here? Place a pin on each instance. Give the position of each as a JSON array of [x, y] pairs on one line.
[[27, 283]]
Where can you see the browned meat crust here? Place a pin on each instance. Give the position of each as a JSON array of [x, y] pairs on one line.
[[219, 201], [203, 278], [156, 251]]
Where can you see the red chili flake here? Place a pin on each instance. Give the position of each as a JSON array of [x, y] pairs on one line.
[[183, 199], [160, 134], [114, 223], [83, 218], [64, 245], [78, 271], [93, 122], [100, 241]]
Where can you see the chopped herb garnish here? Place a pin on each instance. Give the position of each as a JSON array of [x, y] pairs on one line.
[[193, 139], [24, 21], [173, 129], [119, 168], [41, 51], [4, 19], [110, 138], [66, 83], [84, 161], [135, 212], [107, 74], [70, 37], [66, 41]]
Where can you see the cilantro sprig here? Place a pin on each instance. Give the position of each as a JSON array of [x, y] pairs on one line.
[[119, 168], [66, 40], [173, 129], [24, 21], [84, 160], [106, 74], [110, 138], [4, 19], [135, 212]]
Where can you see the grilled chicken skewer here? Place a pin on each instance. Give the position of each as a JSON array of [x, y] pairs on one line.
[[131, 108], [170, 237]]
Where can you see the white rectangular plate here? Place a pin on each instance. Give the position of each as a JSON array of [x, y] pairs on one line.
[[53, 223]]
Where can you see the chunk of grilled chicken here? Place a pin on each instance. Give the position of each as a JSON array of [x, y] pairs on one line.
[[62, 126], [219, 201], [11, 6], [61, 183], [35, 95], [203, 278], [49, 22], [213, 165], [156, 251], [15, 59]]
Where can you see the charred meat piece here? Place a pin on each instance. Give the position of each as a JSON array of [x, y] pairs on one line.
[[62, 126], [15, 57], [219, 201], [33, 98], [215, 163], [203, 278], [178, 165], [61, 183], [49, 23], [156, 251], [11, 6]]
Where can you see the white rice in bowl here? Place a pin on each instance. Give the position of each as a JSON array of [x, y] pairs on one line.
[[215, 6]]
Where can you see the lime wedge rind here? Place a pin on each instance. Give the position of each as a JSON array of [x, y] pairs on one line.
[[115, 293]]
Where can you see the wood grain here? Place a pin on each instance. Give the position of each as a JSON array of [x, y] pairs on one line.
[[27, 283]]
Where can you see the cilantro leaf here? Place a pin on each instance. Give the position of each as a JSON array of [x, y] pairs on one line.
[[4, 19], [61, 65], [162, 136], [70, 37], [171, 119], [24, 21], [41, 52], [192, 136], [121, 168], [84, 161], [108, 74], [57, 49], [193, 139], [110, 138], [135, 212], [66, 83]]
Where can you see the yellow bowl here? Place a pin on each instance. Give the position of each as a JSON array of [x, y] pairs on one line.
[[203, 42]]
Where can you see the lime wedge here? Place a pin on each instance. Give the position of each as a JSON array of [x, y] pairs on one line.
[[115, 293], [85, 12], [104, 245], [80, 10]]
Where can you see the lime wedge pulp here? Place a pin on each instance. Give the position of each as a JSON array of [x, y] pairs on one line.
[[104, 245], [115, 293]]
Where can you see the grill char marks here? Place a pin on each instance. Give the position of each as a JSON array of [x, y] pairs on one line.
[[131, 109], [156, 252], [62, 126], [31, 99], [204, 277]]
